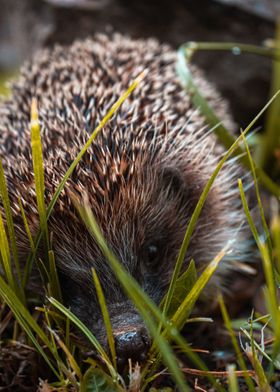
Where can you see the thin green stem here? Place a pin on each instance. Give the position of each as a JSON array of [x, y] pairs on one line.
[[236, 48], [224, 136]]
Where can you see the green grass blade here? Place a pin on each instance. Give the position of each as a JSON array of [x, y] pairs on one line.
[[267, 264], [26, 321], [183, 286], [106, 317], [252, 354], [179, 318], [9, 221], [272, 290], [44, 273], [185, 75], [275, 232], [260, 375], [272, 306], [232, 379], [145, 306], [135, 293], [54, 280], [16, 306], [256, 186], [247, 212], [200, 204], [186, 349], [5, 255], [235, 48], [240, 359], [270, 137], [26, 226], [256, 345], [31, 255], [38, 167], [92, 339], [52, 337], [224, 136], [271, 297], [67, 332], [186, 306], [73, 165]]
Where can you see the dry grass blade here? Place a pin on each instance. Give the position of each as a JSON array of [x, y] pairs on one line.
[[73, 363], [38, 167]]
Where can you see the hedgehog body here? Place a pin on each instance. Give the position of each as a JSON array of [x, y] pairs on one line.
[[142, 176]]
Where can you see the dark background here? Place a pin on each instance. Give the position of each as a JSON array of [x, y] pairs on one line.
[[26, 25]]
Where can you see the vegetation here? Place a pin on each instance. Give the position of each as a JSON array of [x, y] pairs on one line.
[[47, 327]]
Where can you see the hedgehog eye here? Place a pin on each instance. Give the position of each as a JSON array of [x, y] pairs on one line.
[[151, 255]]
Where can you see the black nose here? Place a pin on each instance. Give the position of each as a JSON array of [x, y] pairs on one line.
[[132, 344]]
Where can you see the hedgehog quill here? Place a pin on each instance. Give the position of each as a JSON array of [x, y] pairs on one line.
[[142, 176]]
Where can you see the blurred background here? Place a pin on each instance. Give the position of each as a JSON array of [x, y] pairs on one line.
[[27, 25]]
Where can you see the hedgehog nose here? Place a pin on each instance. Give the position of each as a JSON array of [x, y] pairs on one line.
[[132, 344]]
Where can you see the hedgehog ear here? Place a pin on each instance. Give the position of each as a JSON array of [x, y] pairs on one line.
[[174, 183]]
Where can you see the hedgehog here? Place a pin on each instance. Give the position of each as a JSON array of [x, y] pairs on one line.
[[142, 176]]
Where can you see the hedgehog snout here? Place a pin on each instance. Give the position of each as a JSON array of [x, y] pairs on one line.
[[131, 343]]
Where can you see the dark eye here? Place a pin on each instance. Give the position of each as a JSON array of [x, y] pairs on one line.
[[152, 255]]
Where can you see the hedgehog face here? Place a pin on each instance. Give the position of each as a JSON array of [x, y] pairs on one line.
[[143, 219], [142, 188]]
